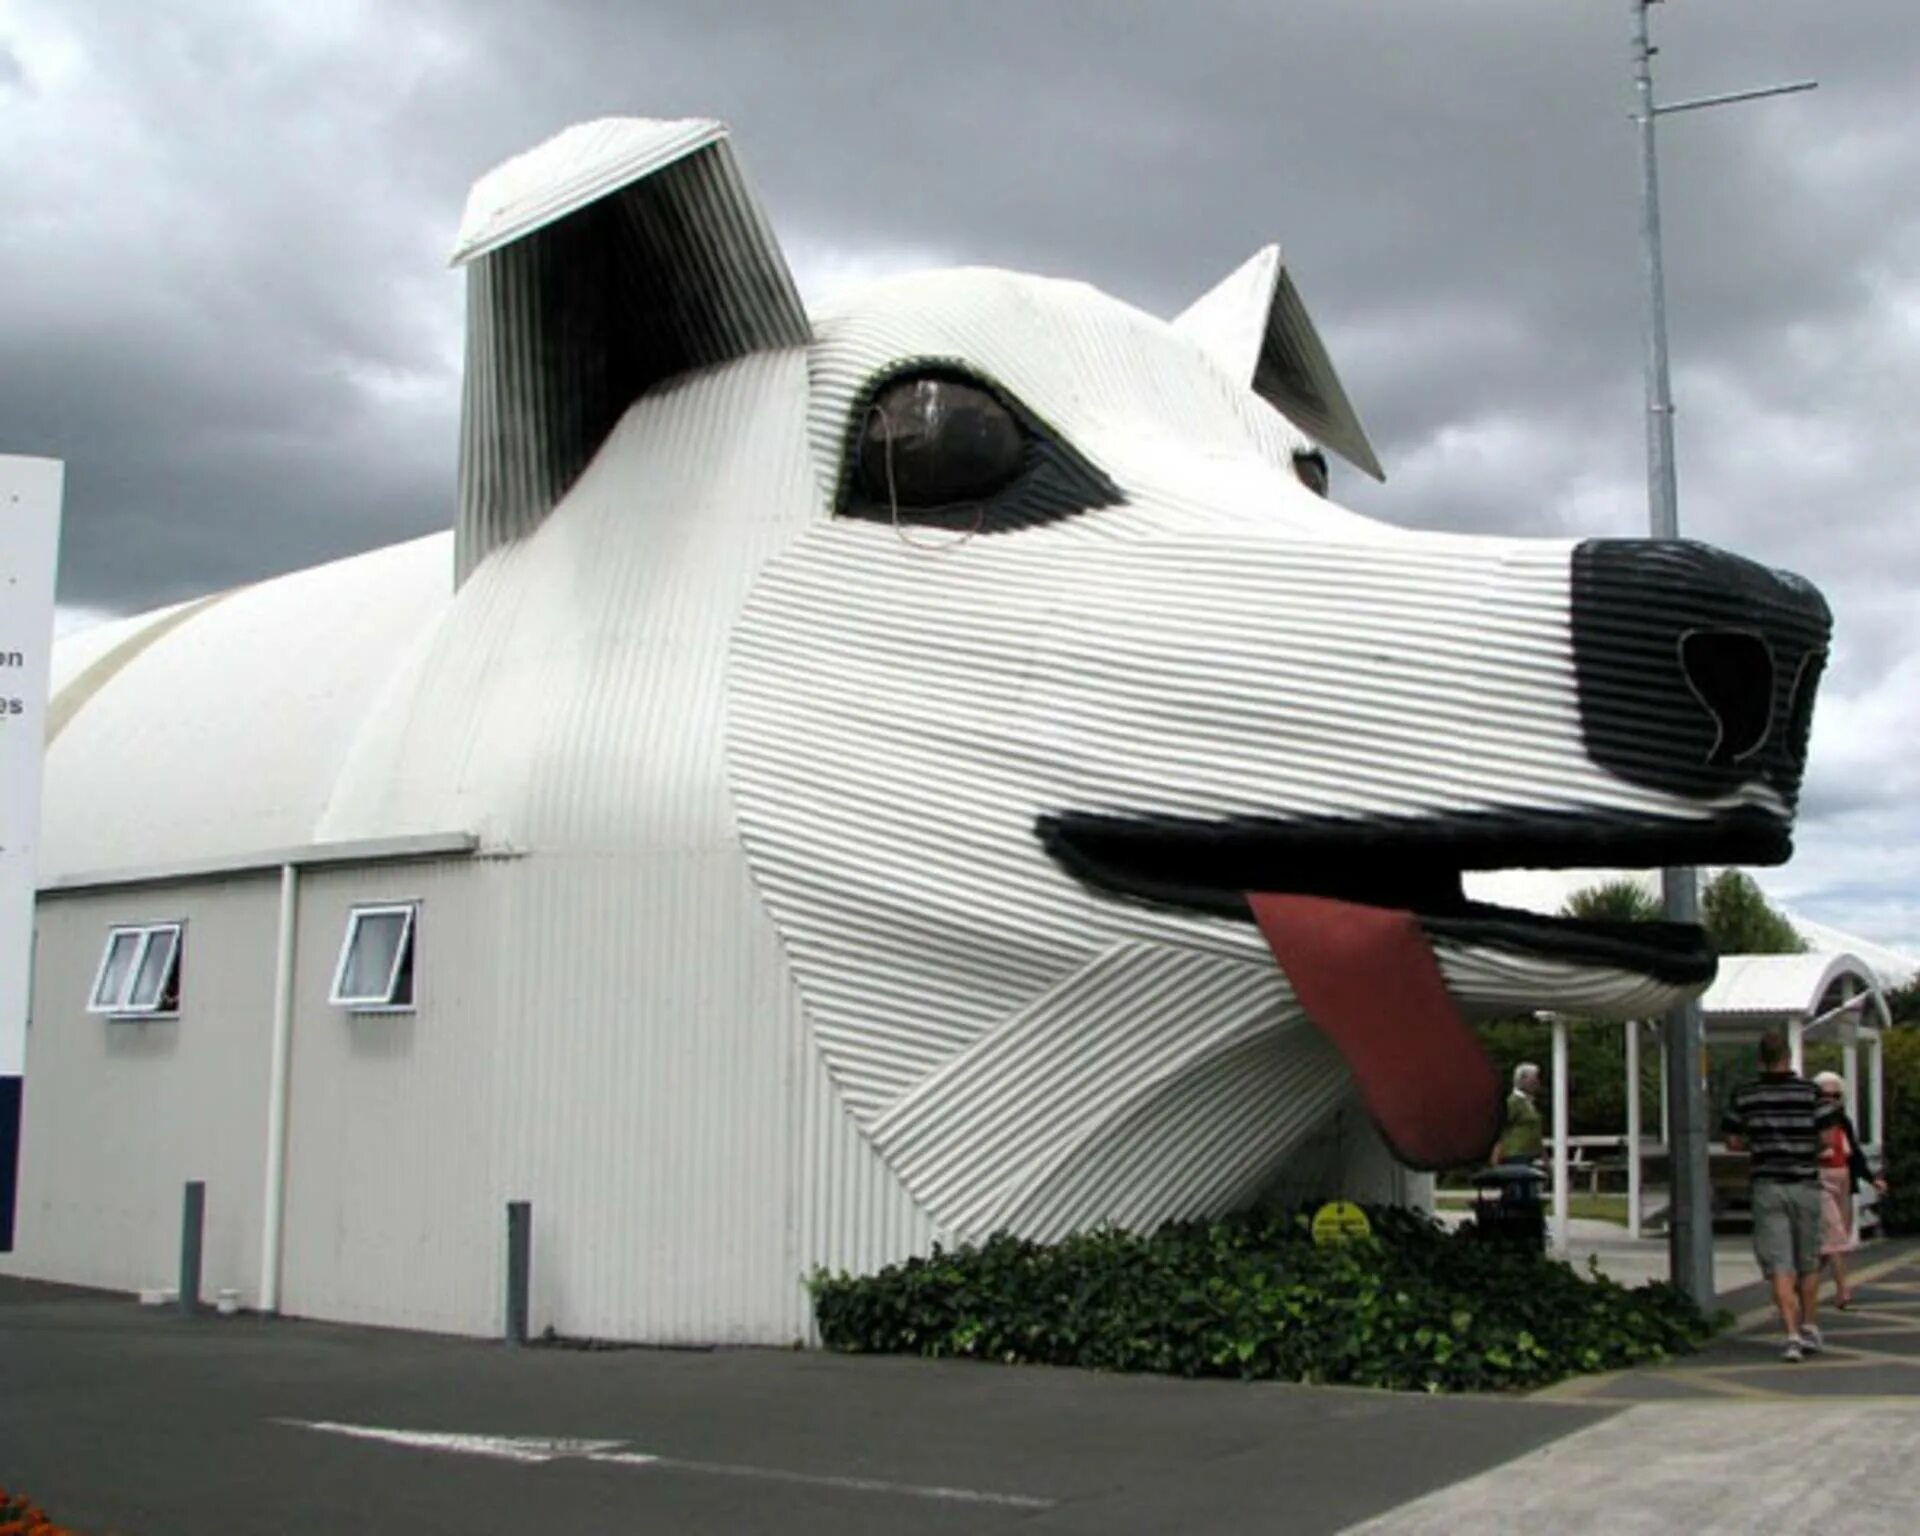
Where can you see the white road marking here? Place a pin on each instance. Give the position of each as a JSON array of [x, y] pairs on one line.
[[531, 1449], [857, 1484], [499, 1447]]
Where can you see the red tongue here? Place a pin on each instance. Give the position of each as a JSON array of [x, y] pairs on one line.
[[1369, 981]]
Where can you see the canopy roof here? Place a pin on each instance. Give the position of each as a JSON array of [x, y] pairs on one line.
[[1758, 990]]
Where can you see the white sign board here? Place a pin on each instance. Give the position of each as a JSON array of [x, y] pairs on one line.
[[29, 547]]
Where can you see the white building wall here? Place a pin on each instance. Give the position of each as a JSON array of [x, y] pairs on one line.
[[575, 1046], [389, 1208], [120, 1114], [644, 1099]]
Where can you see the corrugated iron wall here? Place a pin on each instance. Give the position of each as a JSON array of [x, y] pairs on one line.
[[391, 1186], [665, 1116], [120, 1114]]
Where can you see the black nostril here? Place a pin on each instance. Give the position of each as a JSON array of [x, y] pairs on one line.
[[1731, 673], [1696, 670]]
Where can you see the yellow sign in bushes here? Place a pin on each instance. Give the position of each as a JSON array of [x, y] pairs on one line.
[[1339, 1221]]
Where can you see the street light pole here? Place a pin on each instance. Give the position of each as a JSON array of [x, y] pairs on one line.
[[1690, 1212]]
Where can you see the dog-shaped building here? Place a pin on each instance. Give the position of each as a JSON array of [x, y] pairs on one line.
[[934, 766]]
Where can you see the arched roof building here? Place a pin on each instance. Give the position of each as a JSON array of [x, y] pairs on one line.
[[846, 782]]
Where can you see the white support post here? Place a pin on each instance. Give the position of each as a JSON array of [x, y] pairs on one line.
[[1666, 1123], [1877, 1089], [1633, 1128], [1560, 1121], [1877, 1103], [1797, 1043], [1850, 1081], [279, 1081]]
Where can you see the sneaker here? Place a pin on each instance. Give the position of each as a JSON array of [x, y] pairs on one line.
[[1791, 1351], [1810, 1339]]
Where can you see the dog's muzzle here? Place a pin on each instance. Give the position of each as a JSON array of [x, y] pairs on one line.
[[1696, 669]]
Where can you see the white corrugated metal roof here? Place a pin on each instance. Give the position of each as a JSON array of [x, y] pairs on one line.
[[1781, 986], [219, 729], [1894, 968], [85, 648]]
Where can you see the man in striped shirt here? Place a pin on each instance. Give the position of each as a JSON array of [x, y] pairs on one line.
[[1777, 1120]]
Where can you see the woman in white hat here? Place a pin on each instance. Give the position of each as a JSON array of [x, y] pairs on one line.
[[1842, 1163]]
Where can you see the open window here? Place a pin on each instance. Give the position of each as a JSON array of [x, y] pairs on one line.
[[139, 975], [376, 960]]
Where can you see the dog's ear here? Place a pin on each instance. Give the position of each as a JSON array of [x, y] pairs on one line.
[[1254, 324], [616, 255]]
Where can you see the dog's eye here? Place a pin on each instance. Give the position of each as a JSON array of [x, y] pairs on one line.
[[1311, 466], [936, 444], [932, 442]]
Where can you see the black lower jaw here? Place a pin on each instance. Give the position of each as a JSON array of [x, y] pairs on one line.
[[1208, 866], [1675, 953]]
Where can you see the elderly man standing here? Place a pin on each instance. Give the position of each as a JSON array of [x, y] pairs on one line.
[[1523, 1135], [1777, 1119]]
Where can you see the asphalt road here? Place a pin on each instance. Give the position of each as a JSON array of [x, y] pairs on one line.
[[119, 1419]]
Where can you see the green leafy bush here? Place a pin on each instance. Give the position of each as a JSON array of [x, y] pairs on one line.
[[1902, 1139], [1413, 1307]]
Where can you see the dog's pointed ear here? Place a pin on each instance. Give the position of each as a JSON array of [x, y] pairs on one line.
[[1254, 325], [614, 256]]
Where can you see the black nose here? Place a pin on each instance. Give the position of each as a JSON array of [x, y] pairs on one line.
[[1696, 669]]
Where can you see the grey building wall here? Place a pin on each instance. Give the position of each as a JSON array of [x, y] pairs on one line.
[[573, 1043]]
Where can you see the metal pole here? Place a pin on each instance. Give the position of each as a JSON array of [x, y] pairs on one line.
[[193, 1212], [1690, 1232], [1662, 494], [1633, 1128], [1725, 98], [1690, 1222], [1561, 1120], [519, 1267]]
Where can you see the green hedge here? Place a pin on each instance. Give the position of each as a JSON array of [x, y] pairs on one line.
[[1902, 1210], [1415, 1307]]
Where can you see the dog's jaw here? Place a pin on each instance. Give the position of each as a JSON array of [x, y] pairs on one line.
[[1020, 1045]]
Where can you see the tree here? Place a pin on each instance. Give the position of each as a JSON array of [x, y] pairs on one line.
[[1903, 1003], [1613, 901], [1901, 1138], [1740, 921], [1735, 912]]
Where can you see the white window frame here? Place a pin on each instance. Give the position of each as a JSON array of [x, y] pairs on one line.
[[402, 954], [124, 1004]]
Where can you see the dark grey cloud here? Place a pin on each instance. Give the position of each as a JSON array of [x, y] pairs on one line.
[[227, 226]]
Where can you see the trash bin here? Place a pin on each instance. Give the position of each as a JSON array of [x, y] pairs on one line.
[[1507, 1206]]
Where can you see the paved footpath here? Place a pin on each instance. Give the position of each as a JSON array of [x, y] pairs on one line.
[[124, 1420], [1729, 1441]]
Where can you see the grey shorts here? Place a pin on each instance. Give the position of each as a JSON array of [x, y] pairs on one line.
[[1786, 1227]]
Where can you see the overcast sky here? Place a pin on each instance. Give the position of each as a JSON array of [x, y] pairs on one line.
[[224, 300]]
